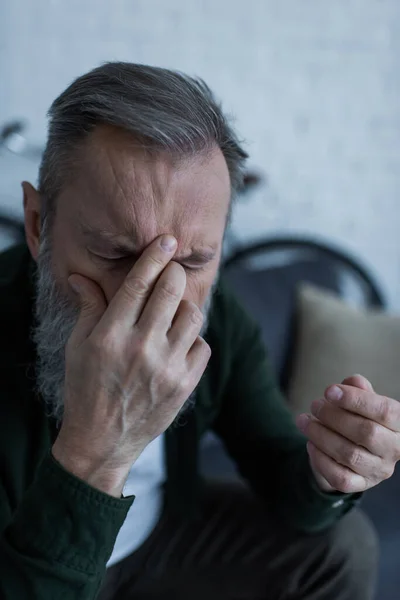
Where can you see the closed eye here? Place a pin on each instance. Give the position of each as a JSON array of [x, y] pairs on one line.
[[193, 269], [115, 261]]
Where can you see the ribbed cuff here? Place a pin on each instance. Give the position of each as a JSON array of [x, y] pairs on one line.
[[64, 519]]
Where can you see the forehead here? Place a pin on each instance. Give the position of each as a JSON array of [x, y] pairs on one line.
[[122, 189]]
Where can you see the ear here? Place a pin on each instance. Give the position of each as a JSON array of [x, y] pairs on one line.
[[32, 209]]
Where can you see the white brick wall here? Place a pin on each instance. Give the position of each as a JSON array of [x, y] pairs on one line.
[[315, 87]]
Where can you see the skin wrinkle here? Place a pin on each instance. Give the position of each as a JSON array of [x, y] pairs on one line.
[[156, 186], [107, 151], [117, 182], [150, 202]]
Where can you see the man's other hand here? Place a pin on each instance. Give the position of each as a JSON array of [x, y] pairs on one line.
[[354, 436]]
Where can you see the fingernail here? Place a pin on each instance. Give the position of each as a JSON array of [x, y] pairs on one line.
[[302, 422], [334, 393], [168, 243]]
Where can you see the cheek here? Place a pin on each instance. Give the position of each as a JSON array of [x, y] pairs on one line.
[[111, 281], [108, 280], [69, 257], [198, 287]]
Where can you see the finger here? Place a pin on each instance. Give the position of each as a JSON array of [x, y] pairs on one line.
[[344, 452], [380, 409], [197, 359], [92, 305], [159, 312], [186, 326], [371, 435], [339, 477], [126, 306], [359, 381], [196, 363]]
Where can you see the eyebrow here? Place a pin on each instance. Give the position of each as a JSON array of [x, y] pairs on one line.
[[125, 245]]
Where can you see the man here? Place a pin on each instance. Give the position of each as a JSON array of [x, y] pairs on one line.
[[107, 397]]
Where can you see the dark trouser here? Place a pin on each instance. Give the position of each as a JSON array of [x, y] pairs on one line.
[[236, 550]]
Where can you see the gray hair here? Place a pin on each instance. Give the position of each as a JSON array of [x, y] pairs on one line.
[[164, 110]]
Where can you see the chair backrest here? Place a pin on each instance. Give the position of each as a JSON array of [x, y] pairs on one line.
[[265, 277]]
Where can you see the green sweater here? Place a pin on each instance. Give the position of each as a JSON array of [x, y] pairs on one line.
[[57, 532]]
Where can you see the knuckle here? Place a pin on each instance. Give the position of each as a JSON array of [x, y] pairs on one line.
[[369, 432], [90, 307], [103, 345], [342, 482], [182, 385], [168, 291], [168, 375], [389, 410], [177, 385], [144, 352], [353, 457], [356, 400], [195, 315], [204, 347], [135, 285]]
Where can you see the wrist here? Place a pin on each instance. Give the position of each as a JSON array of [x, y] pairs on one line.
[[96, 473]]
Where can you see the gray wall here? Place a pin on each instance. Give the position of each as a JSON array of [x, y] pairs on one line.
[[314, 85]]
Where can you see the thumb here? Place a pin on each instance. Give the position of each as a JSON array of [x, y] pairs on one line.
[[92, 306], [359, 381]]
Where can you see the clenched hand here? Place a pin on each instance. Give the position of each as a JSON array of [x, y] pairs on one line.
[[130, 366], [354, 436]]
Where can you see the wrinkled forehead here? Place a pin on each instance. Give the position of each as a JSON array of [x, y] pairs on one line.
[[121, 187]]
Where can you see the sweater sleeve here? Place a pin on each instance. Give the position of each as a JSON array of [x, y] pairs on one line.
[[259, 433], [57, 542]]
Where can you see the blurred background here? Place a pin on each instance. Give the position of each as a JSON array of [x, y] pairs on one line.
[[313, 86], [314, 89]]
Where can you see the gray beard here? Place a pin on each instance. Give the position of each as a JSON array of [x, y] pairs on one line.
[[55, 320]]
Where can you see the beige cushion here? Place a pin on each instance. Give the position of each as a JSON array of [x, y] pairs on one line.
[[336, 340]]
